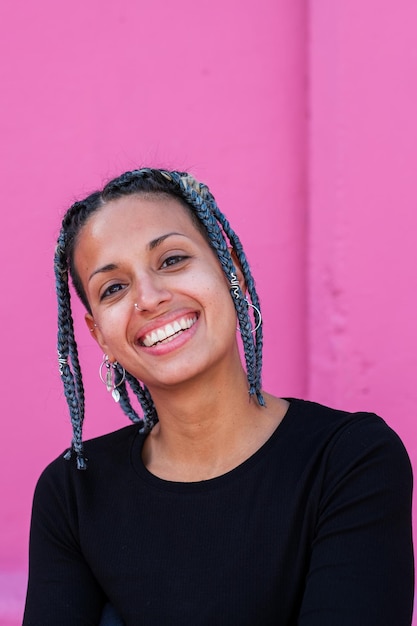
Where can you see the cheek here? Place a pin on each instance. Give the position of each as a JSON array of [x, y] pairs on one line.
[[113, 322], [212, 278]]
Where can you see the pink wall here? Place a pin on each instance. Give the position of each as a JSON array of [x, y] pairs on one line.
[[362, 209], [91, 89], [324, 203]]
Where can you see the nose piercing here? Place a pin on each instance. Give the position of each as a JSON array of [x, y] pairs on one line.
[[137, 308]]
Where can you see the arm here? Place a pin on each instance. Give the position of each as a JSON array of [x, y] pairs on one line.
[[361, 569], [62, 589]]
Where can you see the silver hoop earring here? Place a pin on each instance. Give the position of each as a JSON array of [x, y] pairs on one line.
[[110, 376], [234, 288], [257, 316]]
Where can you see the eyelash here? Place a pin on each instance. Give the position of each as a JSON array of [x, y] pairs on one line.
[[173, 260], [109, 291]]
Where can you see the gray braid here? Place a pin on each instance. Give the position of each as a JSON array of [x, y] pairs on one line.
[[69, 366], [208, 213]]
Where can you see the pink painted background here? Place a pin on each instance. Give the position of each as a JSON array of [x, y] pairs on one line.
[[300, 117]]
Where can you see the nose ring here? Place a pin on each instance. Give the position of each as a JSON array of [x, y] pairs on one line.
[[137, 308]]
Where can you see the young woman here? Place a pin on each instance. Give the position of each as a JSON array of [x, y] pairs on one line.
[[224, 505]]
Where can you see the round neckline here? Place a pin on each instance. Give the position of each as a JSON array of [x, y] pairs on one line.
[[217, 482]]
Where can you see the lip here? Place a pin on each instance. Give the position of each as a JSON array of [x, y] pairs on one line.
[[179, 323]]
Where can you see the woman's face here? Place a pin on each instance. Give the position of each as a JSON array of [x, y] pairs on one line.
[[145, 250]]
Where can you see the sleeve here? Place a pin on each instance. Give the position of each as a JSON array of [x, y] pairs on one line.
[[361, 568], [61, 589]]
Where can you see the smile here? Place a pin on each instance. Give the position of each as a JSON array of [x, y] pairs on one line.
[[167, 333]]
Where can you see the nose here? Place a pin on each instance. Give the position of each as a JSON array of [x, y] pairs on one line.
[[150, 293]]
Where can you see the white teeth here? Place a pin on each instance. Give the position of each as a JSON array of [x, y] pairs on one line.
[[161, 334], [168, 332], [153, 338]]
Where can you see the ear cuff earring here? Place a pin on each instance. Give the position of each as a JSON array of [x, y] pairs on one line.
[[110, 376], [235, 289]]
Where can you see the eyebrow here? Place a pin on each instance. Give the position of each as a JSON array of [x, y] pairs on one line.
[[157, 242], [151, 246]]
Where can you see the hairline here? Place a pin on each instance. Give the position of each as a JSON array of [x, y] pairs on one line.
[[148, 195]]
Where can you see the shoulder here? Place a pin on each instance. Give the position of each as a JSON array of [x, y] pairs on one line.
[[316, 419], [113, 444], [346, 443], [106, 456], [64, 495]]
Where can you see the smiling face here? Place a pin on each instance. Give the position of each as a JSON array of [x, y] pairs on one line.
[[145, 250]]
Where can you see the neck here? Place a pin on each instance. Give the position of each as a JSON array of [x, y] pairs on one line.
[[203, 433], [201, 406]]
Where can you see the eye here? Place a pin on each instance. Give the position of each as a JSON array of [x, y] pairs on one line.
[[111, 290], [173, 260]]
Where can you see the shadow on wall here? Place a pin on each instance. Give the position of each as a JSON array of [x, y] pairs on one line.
[[12, 597]]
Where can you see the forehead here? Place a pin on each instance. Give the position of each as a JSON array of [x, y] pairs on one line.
[[138, 215]]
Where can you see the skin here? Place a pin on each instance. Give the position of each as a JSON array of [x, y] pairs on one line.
[[145, 250]]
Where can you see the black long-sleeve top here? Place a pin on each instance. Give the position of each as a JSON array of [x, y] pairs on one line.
[[314, 529]]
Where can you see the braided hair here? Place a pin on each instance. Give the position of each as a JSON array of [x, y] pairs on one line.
[[207, 217]]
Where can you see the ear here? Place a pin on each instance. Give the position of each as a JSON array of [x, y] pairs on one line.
[[96, 333], [239, 271]]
